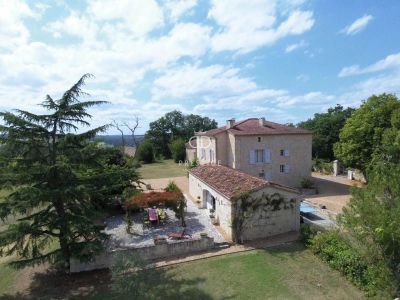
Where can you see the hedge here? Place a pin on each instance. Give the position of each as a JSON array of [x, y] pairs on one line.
[[341, 255]]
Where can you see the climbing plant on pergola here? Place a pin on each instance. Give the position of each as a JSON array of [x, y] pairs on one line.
[[173, 200]]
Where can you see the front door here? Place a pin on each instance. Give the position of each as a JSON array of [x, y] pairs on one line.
[[210, 201]]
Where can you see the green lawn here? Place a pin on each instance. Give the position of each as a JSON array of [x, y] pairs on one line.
[[282, 273], [287, 272], [163, 169]]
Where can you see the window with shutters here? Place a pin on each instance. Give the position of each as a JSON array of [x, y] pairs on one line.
[[284, 152], [284, 168], [259, 155]]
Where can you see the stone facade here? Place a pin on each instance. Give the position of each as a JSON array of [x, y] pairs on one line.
[[290, 154], [260, 224], [199, 190]]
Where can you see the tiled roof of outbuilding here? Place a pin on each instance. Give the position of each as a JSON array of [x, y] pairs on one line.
[[229, 181]]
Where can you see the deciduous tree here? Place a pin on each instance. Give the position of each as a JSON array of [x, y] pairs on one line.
[[326, 128], [363, 133]]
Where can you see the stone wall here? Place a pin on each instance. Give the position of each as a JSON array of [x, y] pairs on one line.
[[263, 223], [191, 154], [165, 250]]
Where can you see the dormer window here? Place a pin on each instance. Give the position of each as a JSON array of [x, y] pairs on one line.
[[259, 139]]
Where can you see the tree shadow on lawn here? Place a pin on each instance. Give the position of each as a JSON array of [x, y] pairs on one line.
[[155, 284]]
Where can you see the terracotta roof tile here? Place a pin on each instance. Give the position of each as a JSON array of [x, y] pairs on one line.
[[252, 127], [229, 181], [192, 144]]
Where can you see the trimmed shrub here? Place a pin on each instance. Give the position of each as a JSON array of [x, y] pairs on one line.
[[306, 183], [172, 187], [145, 152]]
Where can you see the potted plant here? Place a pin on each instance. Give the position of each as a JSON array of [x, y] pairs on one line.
[[203, 235], [212, 211], [214, 220]]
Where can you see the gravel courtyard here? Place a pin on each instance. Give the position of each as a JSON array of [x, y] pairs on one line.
[[197, 221]]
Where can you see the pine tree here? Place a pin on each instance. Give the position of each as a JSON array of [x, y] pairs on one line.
[[58, 181]]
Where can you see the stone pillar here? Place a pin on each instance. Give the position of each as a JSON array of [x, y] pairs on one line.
[[335, 168]]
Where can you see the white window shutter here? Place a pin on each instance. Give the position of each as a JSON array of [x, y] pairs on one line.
[[252, 156], [286, 152], [287, 168], [267, 155]]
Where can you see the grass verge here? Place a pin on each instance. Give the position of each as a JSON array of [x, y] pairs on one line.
[[163, 169]]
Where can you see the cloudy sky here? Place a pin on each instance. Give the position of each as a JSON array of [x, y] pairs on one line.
[[284, 60]]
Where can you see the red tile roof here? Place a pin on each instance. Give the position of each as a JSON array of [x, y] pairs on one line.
[[192, 144], [229, 181], [252, 127]]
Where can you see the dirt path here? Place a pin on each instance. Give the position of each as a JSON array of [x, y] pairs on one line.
[[161, 183]]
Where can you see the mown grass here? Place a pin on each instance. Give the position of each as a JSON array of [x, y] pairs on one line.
[[286, 272], [162, 169]]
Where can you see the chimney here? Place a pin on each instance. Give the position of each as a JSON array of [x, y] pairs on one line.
[[261, 122], [230, 123]]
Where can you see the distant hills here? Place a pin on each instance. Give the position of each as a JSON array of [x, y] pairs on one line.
[[116, 140]]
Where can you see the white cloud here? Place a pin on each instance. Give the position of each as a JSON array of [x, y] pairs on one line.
[[192, 80], [178, 8], [390, 62], [74, 25], [357, 25], [13, 31], [248, 25], [136, 16], [296, 46]]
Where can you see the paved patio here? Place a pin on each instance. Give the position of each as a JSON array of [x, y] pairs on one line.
[[197, 221]]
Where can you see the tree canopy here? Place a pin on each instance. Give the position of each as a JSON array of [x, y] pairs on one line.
[[57, 180], [326, 128], [175, 125], [373, 216], [369, 132]]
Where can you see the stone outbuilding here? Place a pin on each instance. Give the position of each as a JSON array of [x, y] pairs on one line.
[[247, 207]]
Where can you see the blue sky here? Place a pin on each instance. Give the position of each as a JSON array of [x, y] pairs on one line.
[[283, 60]]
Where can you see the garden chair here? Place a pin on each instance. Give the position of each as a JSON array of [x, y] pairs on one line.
[[153, 215]]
